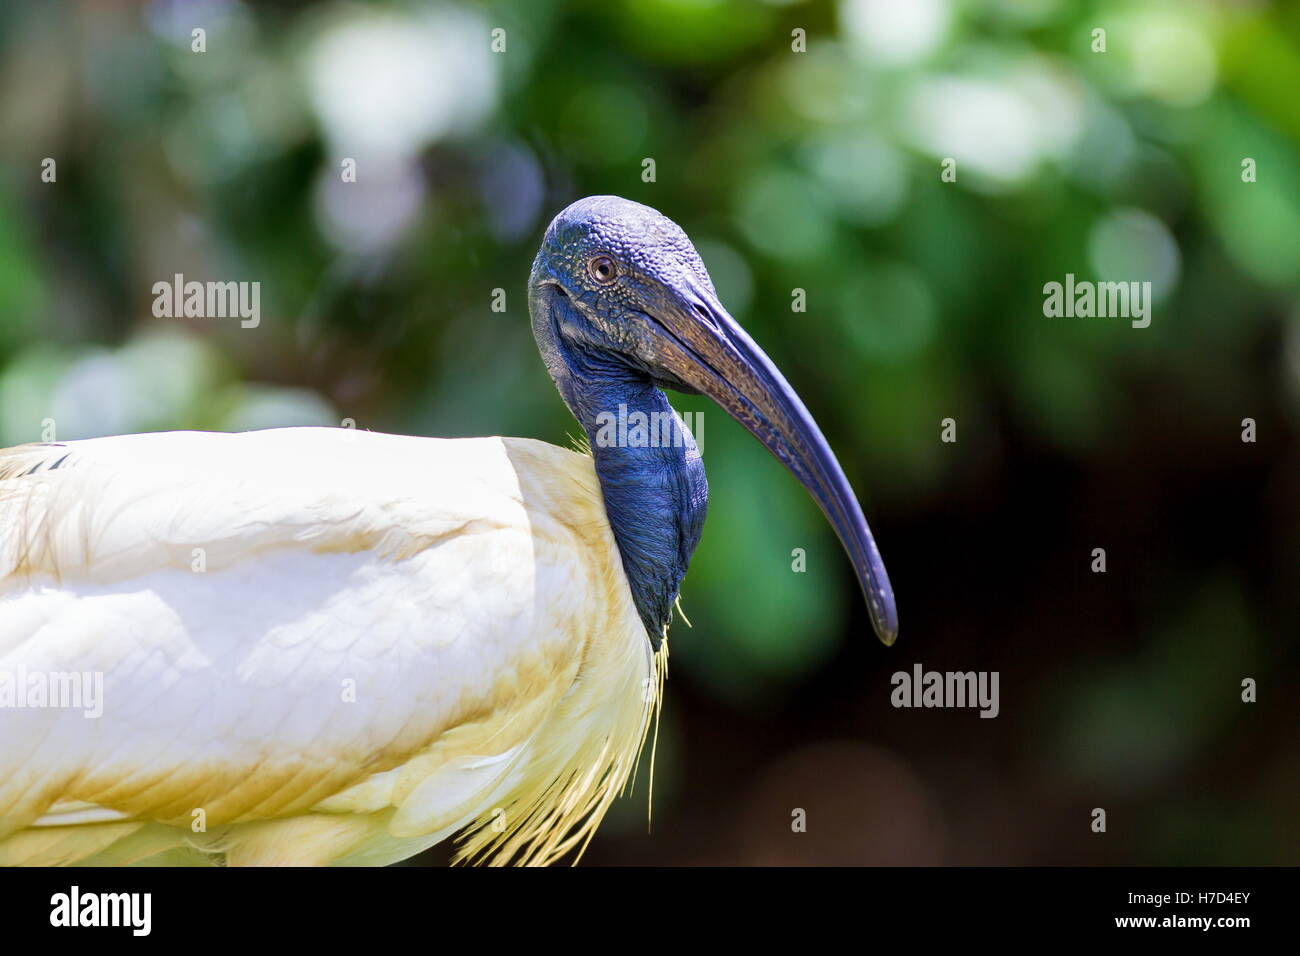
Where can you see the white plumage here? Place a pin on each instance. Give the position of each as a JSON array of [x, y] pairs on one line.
[[327, 645]]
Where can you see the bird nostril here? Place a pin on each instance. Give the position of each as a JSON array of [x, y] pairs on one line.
[[706, 317]]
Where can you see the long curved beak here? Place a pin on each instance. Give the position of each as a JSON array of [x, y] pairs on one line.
[[703, 347]]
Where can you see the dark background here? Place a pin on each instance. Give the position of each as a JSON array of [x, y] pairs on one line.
[[820, 171]]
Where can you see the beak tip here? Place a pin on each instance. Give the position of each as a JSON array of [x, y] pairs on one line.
[[880, 606]]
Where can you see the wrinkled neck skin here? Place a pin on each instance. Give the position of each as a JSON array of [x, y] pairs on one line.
[[655, 497]]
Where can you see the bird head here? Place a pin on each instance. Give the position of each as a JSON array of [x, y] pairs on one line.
[[621, 283]]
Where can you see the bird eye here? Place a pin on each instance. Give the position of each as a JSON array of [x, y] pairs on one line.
[[602, 269]]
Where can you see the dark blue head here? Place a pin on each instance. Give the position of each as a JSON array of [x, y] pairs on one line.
[[622, 306]]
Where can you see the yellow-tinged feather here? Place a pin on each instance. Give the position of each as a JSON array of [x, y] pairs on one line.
[[548, 815], [526, 764]]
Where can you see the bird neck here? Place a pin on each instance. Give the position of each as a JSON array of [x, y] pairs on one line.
[[650, 471]]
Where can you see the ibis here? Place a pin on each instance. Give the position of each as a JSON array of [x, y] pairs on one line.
[[314, 646]]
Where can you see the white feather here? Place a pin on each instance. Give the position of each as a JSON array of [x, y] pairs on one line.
[[302, 631]]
